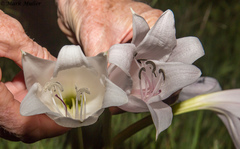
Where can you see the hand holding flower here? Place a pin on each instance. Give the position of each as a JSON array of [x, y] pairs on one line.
[[13, 125]]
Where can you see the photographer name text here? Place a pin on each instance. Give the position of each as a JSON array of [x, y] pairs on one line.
[[20, 3]]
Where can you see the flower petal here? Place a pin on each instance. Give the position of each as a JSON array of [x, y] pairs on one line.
[[225, 103], [72, 123], [160, 40], [161, 115], [188, 50], [69, 57], [121, 79], [121, 55], [233, 125], [228, 100], [36, 69], [31, 104], [177, 76], [99, 62], [134, 104], [114, 96], [203, 85], [140, 29]]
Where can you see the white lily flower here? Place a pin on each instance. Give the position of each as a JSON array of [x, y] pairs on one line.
[[73, 91], [225, 103], [154, 66]]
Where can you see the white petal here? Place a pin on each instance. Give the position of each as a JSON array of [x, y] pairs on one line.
[[121, 55], [31, 104], [203, 85], [72, 123], [121, 79], [70, 57], [160, 40], [177, 76], [224, 96], [140, 29], [99, 63], [134, 104], [36, 69], [188, 50], [233, 125], [161, 115], [228, 100], [114, 96]]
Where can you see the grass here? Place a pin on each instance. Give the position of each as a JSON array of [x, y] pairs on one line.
[[216, 24]]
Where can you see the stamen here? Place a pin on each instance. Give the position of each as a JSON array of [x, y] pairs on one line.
[[141, 91], [140, 60], [65, 106], [140, 72], [158, 83], [154, 67], [56, 107], [82, 98], [135, 54], [53, 85], [56, 88], [162, 72], [137, 63]]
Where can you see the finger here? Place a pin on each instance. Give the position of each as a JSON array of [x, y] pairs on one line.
[[13, 39], [17, 127], [97, 27], [17, 86]]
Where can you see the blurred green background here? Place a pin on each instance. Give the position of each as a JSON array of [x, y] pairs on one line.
[[216, 23]]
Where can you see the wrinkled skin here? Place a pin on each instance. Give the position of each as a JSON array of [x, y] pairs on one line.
[[13, 126], [95, 25], [98, 24]]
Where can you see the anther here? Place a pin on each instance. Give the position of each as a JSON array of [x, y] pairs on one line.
[[82, 90], [135, 54], [154, 67], [140, 60], [162, 72], [140, 72], [54, 85]]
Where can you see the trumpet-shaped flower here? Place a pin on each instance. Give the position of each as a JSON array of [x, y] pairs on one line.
[[203, 85], [154, 66], [225, 103], [73, 91]]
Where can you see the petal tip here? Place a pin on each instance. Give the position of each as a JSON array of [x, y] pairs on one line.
[[23, 53], [133, 12]]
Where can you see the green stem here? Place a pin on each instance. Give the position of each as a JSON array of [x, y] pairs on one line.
[[77, 138], [107, 118], [189, 105], [132, 129]]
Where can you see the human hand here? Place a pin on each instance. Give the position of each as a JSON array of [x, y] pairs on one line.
[[13, 39], [97, 25], [13, 126]]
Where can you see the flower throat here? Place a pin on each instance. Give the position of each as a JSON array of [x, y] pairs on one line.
[[77, 104]]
